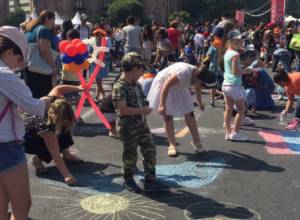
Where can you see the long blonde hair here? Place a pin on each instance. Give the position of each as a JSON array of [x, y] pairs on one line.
[[61, 115]]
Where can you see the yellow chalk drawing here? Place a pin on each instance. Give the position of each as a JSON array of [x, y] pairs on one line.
[[125, 206], [104, 204]]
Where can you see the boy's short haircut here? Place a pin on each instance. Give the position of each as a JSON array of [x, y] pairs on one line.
[[131, 19]]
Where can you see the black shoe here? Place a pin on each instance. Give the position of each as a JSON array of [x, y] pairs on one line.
[[131, 185]]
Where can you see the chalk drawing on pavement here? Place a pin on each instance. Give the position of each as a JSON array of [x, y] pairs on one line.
[[187, 174], [220, 211], [108, 206], [282, 142]]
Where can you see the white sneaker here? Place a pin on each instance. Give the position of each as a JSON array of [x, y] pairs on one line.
[[247, 121], [238, 137], [172, 151], [227, 137]]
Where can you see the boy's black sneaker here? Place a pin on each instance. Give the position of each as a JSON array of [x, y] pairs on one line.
[[152, 185], [131, 185]]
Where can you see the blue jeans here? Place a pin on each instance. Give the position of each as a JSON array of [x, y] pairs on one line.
[[12, 155]]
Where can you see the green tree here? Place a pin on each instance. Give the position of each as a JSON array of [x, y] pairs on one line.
[[183, 15], [16, 18], [119, 10]]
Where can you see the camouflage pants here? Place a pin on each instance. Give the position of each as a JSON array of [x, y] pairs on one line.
[[131, 139]]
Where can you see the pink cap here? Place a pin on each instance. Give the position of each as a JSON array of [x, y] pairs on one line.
[[17, 37]]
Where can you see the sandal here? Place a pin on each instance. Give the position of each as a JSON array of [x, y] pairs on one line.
[[38, 165]]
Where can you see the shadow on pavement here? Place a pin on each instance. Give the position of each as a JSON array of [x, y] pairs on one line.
[[90, 130], [199, 207], [90, 177], [234, 160]]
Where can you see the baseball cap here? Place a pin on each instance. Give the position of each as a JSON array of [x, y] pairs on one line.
[[84, 17], [13, 34], [132, 59], [218, 32], [234, 35]]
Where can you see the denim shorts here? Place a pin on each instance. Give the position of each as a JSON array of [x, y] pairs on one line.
[[12, 155]]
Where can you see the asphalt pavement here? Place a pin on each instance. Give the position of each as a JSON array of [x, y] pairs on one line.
[[258, 179]]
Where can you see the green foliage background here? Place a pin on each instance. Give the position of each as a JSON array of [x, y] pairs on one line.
[[119, 10], [16, 18]]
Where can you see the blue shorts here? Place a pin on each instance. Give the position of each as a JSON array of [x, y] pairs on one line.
[[12, 155]]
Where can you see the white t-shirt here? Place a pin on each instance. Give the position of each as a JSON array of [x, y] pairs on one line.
[[199, 40]]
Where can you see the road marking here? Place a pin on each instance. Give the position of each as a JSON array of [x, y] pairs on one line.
[[282, 142], [88, 114]]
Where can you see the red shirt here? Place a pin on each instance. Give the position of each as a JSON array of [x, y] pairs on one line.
[[173, 35], [293, 88]]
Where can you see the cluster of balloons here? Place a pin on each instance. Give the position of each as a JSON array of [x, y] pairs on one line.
[[74, 55]]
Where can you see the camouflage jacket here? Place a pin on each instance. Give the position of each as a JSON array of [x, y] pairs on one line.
[[133, 96]]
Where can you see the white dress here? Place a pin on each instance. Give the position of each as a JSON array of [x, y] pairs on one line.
[[179, 101]]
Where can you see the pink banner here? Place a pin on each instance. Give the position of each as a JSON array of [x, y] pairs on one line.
[[278, 11], [240, 16]]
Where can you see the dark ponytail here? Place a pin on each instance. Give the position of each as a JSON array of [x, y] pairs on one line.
[[6, 44], [206, 76], [281, 76]]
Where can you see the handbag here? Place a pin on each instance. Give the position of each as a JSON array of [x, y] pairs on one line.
[[36, 63]]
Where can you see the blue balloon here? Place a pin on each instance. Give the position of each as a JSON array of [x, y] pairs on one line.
[[78, 59], [66, 59], [85, 55]]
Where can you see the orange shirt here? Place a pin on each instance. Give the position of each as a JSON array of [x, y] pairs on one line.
[[293, 88]]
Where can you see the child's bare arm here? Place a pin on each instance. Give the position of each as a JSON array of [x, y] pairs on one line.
[[62, 89]]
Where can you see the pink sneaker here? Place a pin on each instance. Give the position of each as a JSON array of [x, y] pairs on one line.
[[293, 125]]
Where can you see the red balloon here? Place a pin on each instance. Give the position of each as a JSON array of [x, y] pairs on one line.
[[62, 45], [75, 41], [81, 48], [71, 50]]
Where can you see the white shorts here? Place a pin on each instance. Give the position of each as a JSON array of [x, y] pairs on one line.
[[234, 92]]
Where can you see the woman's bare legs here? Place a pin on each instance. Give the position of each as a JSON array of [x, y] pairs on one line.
[[16, 187], [193, 127]]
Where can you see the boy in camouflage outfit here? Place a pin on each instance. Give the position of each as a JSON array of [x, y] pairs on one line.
[[131, 107]]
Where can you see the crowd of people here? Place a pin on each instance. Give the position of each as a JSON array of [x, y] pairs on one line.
[[162, 67]]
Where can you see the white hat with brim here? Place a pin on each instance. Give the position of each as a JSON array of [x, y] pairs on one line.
[[17, 37]]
